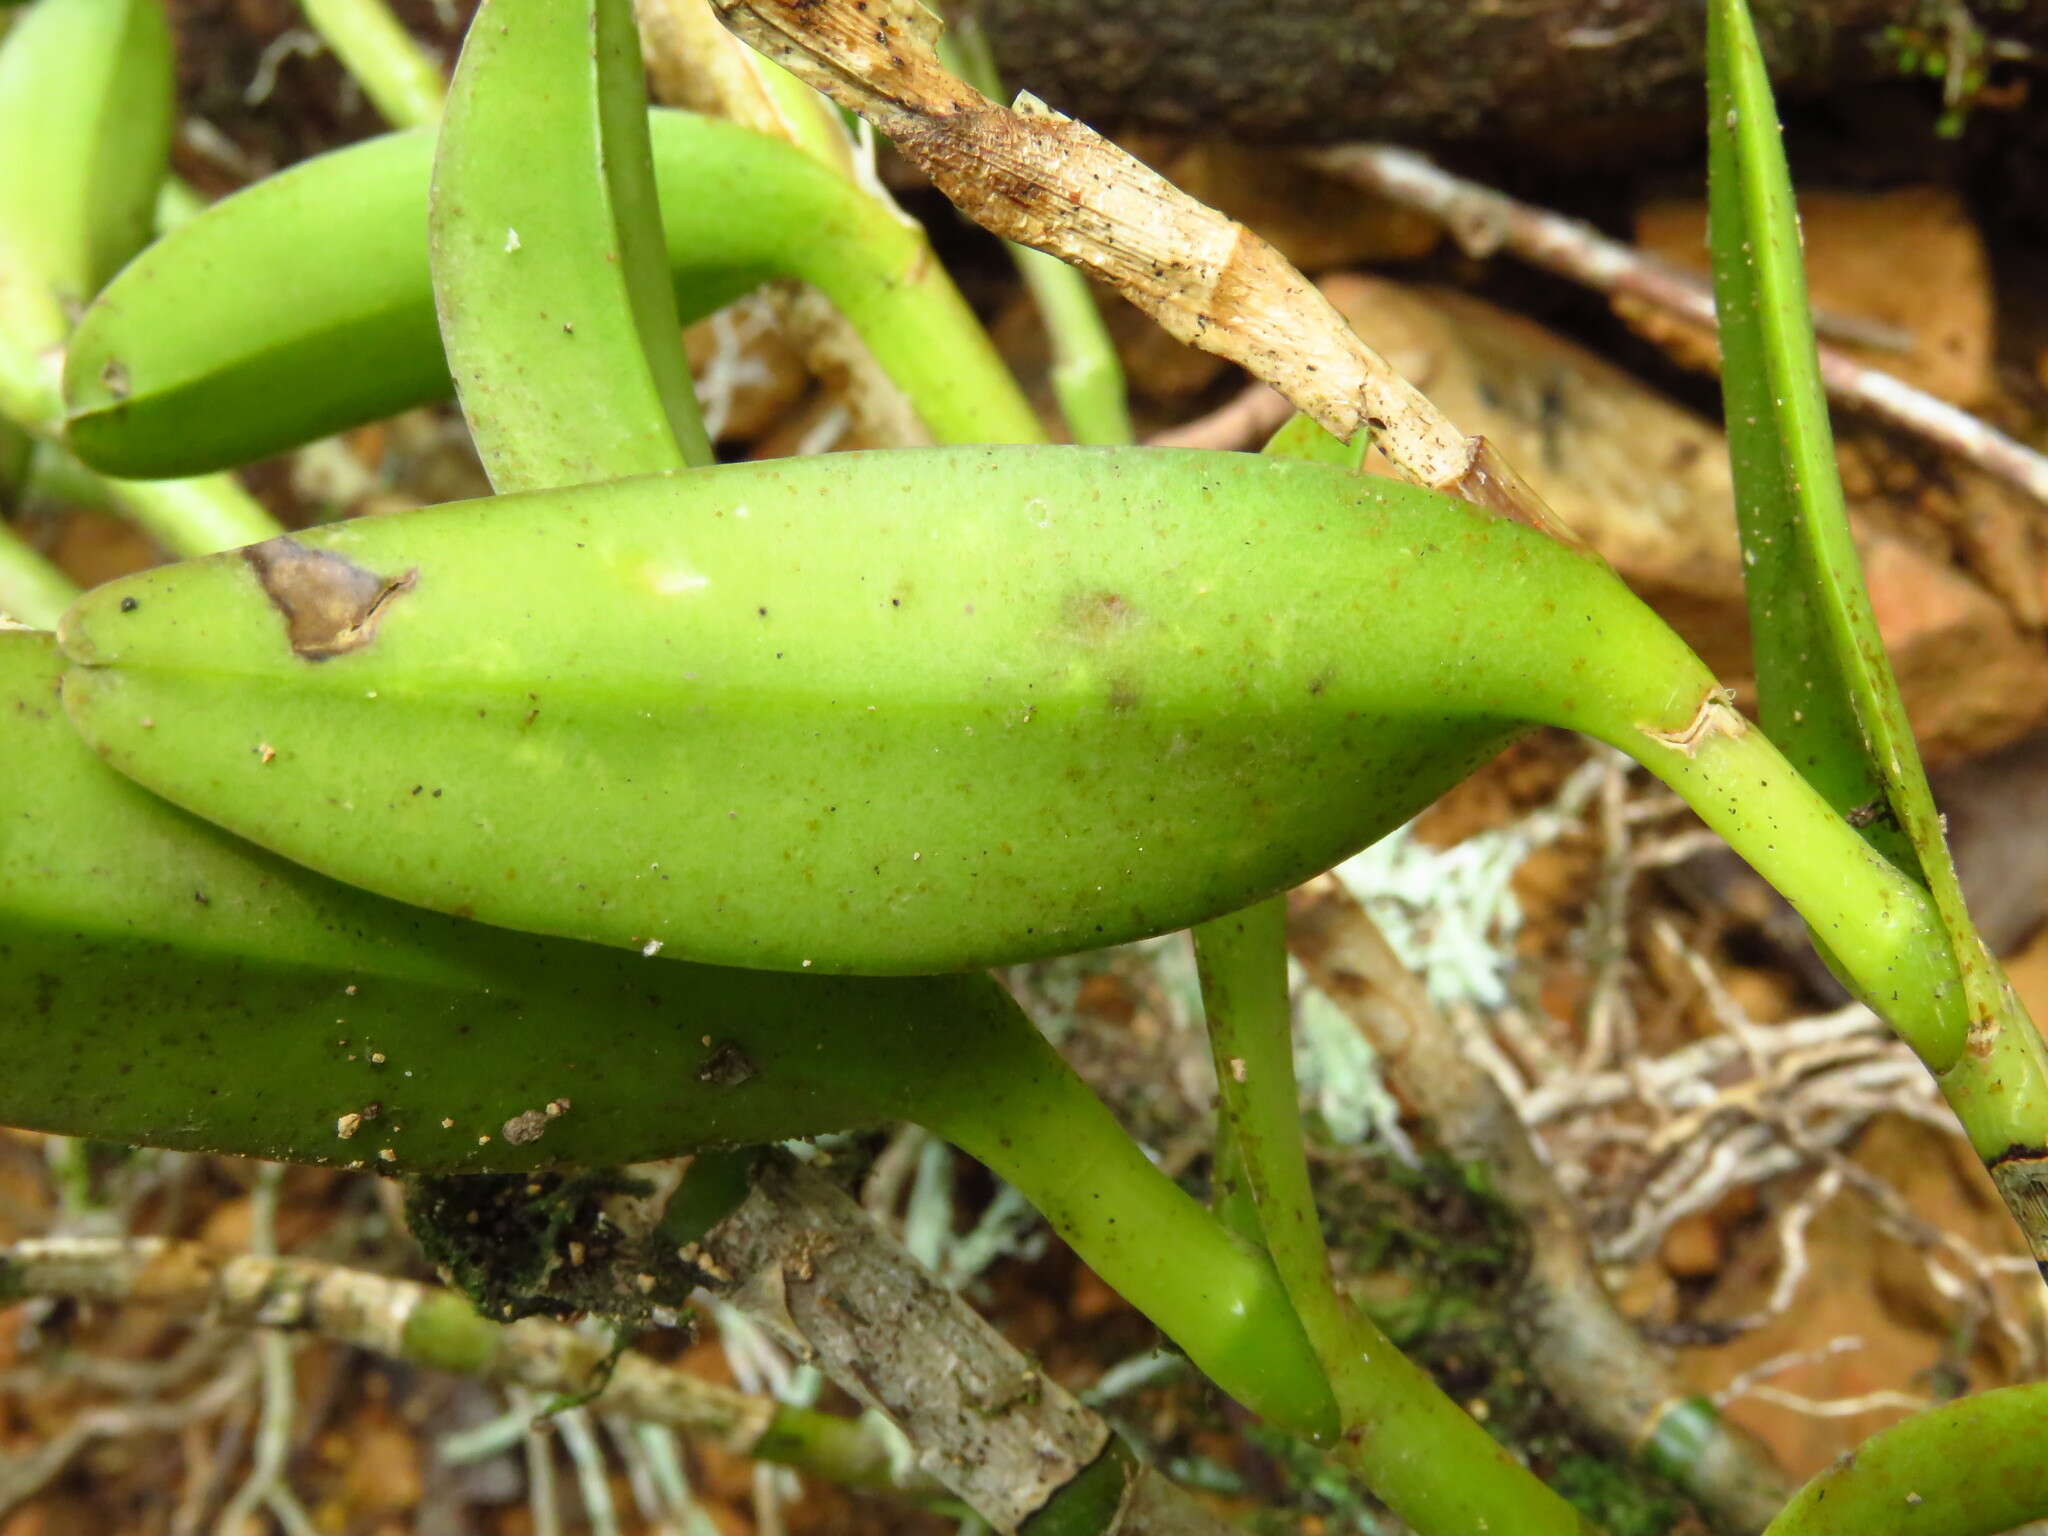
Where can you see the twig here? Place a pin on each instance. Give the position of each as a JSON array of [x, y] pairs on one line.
[[1033, 176], [428, 1326], [1484, 221], [1584, 1350], [807, 1264], [22, 1477]]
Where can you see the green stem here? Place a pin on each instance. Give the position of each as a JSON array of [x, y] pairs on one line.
[[197, 516], [906, 308], [1302, 437], [177, 202], [32, 331], [1230, 1189], [1020, 1109], [32, 590], [56, 478], [1881, 932], [1414, 1447], [1998, 1089], [1968, 1468], [1087, 375], [395, 72], [1877, 928]]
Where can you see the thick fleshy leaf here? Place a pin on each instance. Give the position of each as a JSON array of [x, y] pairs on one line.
[[1825, 685], [166, 984], [548, 262]]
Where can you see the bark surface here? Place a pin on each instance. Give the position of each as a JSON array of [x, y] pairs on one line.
[[1445, 70]]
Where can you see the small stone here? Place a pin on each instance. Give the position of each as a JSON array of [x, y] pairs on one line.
[[1693, 1249]]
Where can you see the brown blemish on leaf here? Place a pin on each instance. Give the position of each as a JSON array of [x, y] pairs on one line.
[[330, 605], [1098, 614], [727, 1067]]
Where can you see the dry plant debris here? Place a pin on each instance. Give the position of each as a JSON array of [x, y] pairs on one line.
[[1655, 1096], [1031, 175], [1485, 221]]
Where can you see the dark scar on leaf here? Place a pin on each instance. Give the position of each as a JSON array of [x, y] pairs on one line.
[[330, 605]]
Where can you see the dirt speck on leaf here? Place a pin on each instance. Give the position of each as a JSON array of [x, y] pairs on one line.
[[727, 1067], [525, 1127]]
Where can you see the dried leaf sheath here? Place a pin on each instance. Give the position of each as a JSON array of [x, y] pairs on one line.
[[1031, 175]]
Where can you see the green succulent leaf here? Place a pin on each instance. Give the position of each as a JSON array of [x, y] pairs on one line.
[[85, 134], [992, 703], [1967, 1468], [1825, 690], [164, 983], [547, 254], [303, 305], [998, 703], [1825, 686]]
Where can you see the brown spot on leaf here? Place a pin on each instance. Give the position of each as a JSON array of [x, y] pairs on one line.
[[1096, 615], [330, 604], [727, 1067]]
